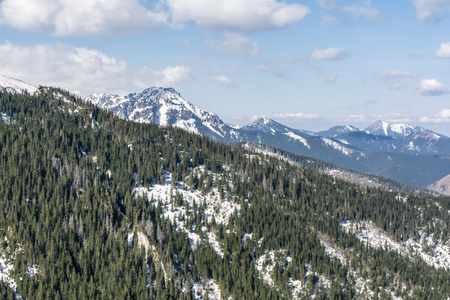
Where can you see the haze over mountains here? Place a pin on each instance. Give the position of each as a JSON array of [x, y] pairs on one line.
[[412, 155]]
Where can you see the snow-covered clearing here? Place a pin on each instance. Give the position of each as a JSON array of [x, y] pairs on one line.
[[433, 251], [178, 201], [209, 287], [265, 265]]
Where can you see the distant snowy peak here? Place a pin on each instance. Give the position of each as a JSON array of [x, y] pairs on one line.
[[337, 131], [392, 130], [265, 124], [11, 85], [161, 106]]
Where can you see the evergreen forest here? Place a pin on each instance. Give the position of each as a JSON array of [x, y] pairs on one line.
[[69, 173]]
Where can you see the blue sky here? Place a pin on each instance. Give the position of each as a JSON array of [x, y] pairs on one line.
[[306, 64]]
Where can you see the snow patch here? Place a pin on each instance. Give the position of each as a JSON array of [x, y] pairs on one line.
[[298, 138]]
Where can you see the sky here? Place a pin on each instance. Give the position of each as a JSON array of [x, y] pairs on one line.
[[306, 64]]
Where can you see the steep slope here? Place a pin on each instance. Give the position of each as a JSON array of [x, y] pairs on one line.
[[163, 106], [102, 207], [441, 186], [11, 85]]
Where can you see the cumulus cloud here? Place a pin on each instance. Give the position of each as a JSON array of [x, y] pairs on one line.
[[170, 76], [248, 15], [225, 80], [329, 54], [82, 17], [432, 87], [81, 69], [63, 65], [443, 51], [429, 9], [275, 70], [442, 117], [294, 116], [398, 74], [236, 44], [354, 11]]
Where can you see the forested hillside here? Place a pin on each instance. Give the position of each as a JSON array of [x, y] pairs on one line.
[[96, 207]]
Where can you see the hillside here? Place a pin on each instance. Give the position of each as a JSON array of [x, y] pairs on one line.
[[100, 207], [413, 156]]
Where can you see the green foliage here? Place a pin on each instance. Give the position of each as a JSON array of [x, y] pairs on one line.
[[72, 218]]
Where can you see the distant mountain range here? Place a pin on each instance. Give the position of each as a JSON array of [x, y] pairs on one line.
[[412, 155]]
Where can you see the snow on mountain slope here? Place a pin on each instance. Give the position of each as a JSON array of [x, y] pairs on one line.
[[441, 186], [11, 85], [368, 233], [162, 106], [392, 130], [338, 146], [267, 125], [337, 130]]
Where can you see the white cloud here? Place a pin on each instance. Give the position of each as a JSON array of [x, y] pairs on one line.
[[432, 87], [170, 76], [294, 116], [275, 70], [396, 87], [329, 54], [81, 69], [63, 65], [355, 11], [82, 17], [443, 51], [442, 117], [355, 119], [332, 79], [392, 118], [222, 79], [328, 20], [248, 15], [398, 74], [428, 9], [236, 44]]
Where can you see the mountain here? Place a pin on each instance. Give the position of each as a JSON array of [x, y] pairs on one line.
[[397, 138], [11, 85], [337, 131], [346, 146], [267, 125], [392, 130], [96, 206], [163, 106]]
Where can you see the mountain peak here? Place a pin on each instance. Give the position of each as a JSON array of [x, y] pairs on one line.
[[337, 131], [265, 124], [11, 85], [392, 130]]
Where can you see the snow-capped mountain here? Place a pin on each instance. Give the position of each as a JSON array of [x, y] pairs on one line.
[[337, 131], [11, 85], [163, 106], [267, 125], [355, 149], [397, 138], [392, 130]]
